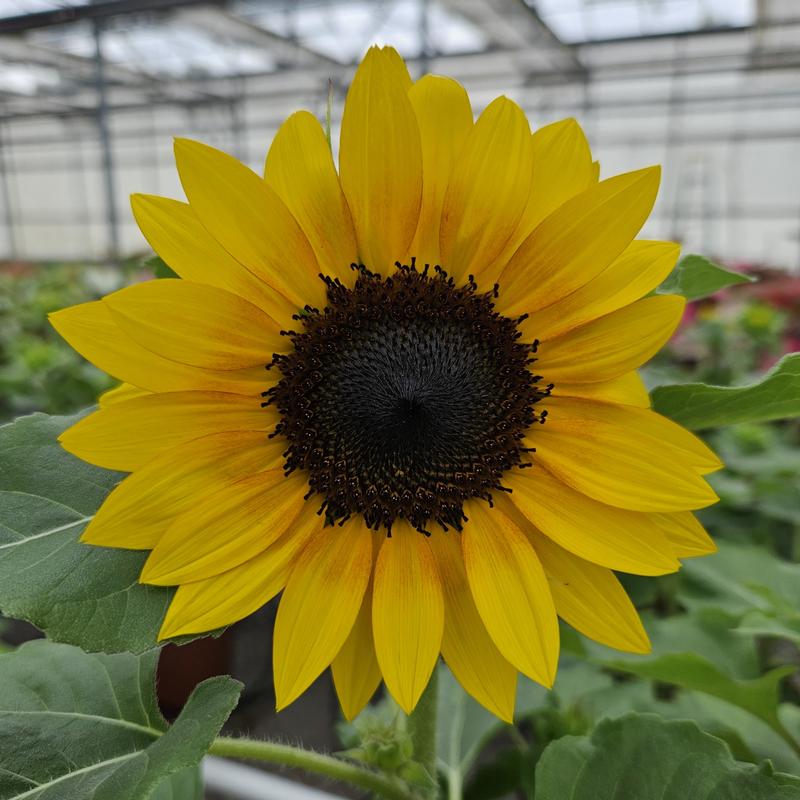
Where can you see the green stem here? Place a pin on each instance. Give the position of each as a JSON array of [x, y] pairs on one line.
[[422, 728], [307, 760], [454, 772], [328, 114]]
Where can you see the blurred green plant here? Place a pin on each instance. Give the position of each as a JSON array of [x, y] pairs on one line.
[[38, 370]]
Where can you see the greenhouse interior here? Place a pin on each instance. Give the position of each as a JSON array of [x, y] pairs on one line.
[[93, 94]]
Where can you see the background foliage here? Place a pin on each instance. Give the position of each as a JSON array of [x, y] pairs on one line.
[[39, 371], [711, 713]]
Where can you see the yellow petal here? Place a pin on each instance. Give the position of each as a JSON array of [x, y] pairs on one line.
[[488, 190], [562, 169], [510, 591], [627, 390], [250, 221], [230, 596], [466, 645], [125, 391], [407, 614], [612, 537], [685, 533], [444, 116], [177, 235], [231, 525], [641, 267], [392, 64], [590, 598], [125, 436], [356, 674], [91, 330], [577, 242], [612, 345], [380, 159], [300, 169], [139, 510], [196, 324], [646, 423], [607, 452], [319, 606]]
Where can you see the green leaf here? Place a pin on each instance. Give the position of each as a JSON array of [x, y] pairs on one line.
[[466, 725], [75, 726], [759, 696], [758, 623], [705, 631], [750, 739], [464, 729], [498, 777], [83, 595], [702, 651], [741, 578], [699, 651], [647, 758], [698, 406], [184, 785], [696, 277]]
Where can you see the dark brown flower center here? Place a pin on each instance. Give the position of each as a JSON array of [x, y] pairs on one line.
[[405, 397]]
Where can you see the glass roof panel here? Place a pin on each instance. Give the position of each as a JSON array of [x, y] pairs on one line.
[[17, 8], [169, 48], [344, 29], [592, 20], [27, 79]]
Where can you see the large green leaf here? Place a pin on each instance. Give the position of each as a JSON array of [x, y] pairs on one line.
[[781, 626], [75, 726], [647, 758], [88, 596], [466, 726], [184, 785], [700, 651], [741, 578], [696, 277], [705, 631], [698, 406], [759, 696], [465, 730]]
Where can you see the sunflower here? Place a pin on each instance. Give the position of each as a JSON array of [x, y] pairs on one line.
[[403, 394]]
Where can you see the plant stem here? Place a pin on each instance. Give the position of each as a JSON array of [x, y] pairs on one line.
[[454, 771], [308, 760], [422, 728]]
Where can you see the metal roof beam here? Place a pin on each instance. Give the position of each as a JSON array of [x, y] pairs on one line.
[[99, 10], [21, 51], [220, 22], [514, 25]]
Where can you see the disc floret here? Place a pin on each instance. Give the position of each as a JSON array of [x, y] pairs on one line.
[[405, 397]]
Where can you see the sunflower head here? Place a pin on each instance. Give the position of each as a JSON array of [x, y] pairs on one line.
[[403, 393]]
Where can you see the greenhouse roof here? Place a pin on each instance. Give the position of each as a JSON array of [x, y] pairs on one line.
[[191, 40], [593, 20], [50, 49]]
